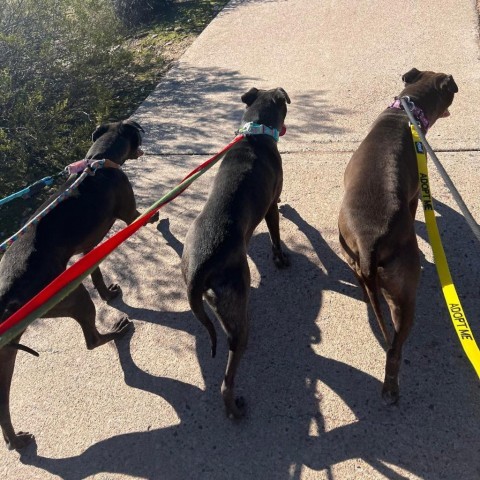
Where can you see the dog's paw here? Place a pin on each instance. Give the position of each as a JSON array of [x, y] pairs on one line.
[[155, 218], [281, 259], [122, 326], [113, 291], [390, 396], [21, 440], [237, 411]]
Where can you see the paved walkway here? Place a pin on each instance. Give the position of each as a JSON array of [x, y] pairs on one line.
[[149, 406]]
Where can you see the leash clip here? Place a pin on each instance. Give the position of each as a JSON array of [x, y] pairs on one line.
[[94, 166], [88, 165], [410, 103]]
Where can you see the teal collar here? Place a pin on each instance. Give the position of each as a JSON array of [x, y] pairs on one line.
[[252, 128]]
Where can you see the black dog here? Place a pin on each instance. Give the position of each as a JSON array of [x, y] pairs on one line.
[[214, 262], [377, 215], [74, 226]]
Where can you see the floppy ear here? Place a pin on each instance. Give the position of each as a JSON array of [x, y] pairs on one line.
[[448, 84], [99, 131], [250, 96], [411, 76], [282, 95], [134, 125]]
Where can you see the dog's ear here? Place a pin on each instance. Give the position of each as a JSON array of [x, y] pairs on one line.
[[134, 125], [99, 131], [133, 131], [411, 76], [281, 95], [448, 84], [250, 96]]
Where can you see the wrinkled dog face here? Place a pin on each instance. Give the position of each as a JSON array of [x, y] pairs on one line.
[[267, 107], [431, 88]]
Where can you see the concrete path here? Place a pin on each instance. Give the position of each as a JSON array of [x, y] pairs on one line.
[[149, 406]]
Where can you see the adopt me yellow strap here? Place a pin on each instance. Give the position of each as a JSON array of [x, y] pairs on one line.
[[457, 314]]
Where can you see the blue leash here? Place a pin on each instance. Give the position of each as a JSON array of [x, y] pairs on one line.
[[89, 169], [32, 189]]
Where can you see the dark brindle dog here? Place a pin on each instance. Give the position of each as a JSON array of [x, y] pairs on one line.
[[74, 226], [214, 263], [377, 215]]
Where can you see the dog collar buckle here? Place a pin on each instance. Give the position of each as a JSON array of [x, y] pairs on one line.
[[252, 128]]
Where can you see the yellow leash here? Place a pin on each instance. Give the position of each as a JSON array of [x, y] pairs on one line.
[[457, 314]]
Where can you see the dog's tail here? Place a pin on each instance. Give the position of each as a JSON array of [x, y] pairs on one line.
[[12, 307], [195, 291], [368, 269]]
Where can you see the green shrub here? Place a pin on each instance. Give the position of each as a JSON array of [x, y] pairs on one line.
[[67, 66], [60, 65]]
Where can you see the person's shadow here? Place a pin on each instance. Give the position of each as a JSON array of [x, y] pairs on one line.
[[285, 382]]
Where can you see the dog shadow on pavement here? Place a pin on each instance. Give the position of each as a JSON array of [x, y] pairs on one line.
[[284, 381]]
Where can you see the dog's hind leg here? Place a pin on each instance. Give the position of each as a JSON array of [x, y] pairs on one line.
[[352, 262], [237, 343], [273, 223], [229, 301], [398, 283], [14, 441], [106, 293], [80, 306]]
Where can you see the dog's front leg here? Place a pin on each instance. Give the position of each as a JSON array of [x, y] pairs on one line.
[[273, 223], [106, 293], [133, 215], [7, 364], [127, 205], [79, 306]]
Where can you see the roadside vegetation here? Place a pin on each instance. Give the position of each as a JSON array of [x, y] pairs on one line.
[[69, 65]]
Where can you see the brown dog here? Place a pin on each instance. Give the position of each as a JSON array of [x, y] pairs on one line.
[[376, 222]]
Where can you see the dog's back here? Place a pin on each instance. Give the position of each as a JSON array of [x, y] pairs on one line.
[[246, 183], [380, 184]]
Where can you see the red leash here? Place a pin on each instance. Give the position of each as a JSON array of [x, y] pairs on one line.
[[68, 280]]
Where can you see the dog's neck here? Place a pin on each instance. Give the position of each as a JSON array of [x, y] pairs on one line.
[[417, 112], [252, 128]]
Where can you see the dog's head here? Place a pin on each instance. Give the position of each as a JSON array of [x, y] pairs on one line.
[[117, 141], [266, 107], [432, 92]]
